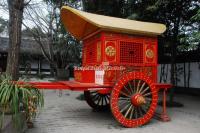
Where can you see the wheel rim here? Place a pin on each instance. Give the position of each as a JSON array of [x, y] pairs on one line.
[[133, 100], [96, 100], [129, 100]]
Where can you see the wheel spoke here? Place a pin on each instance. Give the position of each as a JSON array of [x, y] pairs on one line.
[[133, 101], [145, 110], [135, 114], [130, 87], [94, 96], [145, 107], [147, 88], [131, 115], [148, 99], [124, 98], [142, 87], [148, 102], [140, 112], [134, 89], [138, 86], [121, 103], [128, 111], [123, 93], [125, 107], [105, 100], [99, 99], [147, 94], [127, 90]]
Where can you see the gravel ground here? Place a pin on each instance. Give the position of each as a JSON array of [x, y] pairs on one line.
[[66, 114]]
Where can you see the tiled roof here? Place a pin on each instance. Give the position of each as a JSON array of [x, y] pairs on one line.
[[28, 46]]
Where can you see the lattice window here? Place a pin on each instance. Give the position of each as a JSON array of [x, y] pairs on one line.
[[131, 52], [91, 50]]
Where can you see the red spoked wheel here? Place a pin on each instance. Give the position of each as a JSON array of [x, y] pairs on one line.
[[97, 101], [133, 99]]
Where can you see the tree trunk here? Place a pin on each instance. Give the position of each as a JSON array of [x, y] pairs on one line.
[[173, 57], [171, 96], [52, 70], [15, 23], [188, 77], [184, 75], [161, 72], [166, 74], [173, 69]]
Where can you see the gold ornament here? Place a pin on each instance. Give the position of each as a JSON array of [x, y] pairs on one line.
[[149, 53], [110, 51]]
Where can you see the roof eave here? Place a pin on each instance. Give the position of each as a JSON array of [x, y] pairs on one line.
[[81, 24]]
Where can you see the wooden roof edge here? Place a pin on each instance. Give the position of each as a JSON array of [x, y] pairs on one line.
[[75, 20]]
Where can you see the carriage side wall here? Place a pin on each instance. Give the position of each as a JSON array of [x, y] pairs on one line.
[[122, 53]]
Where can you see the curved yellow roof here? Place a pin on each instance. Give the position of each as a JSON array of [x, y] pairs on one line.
[[81, 24]]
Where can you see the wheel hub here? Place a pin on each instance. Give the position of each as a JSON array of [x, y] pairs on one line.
[[137, 100]]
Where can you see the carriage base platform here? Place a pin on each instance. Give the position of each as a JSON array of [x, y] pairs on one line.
[[106, 88]]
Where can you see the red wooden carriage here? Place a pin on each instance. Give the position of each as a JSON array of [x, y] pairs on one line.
[[119, 65]]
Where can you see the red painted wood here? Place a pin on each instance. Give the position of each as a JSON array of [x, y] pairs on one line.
[[163, 116], [130, 52], [137, 54], [165, 86], [67, 85], [118, 90]]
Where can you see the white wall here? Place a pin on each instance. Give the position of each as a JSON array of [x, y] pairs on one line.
[[194, 74]]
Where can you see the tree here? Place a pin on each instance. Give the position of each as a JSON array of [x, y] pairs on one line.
[[48, 30], [191, 34], [16, 8], [3, 24], [196, 34], [175, 14], [115, 8]]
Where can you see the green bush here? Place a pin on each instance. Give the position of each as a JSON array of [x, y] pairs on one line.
[[18, 98]]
